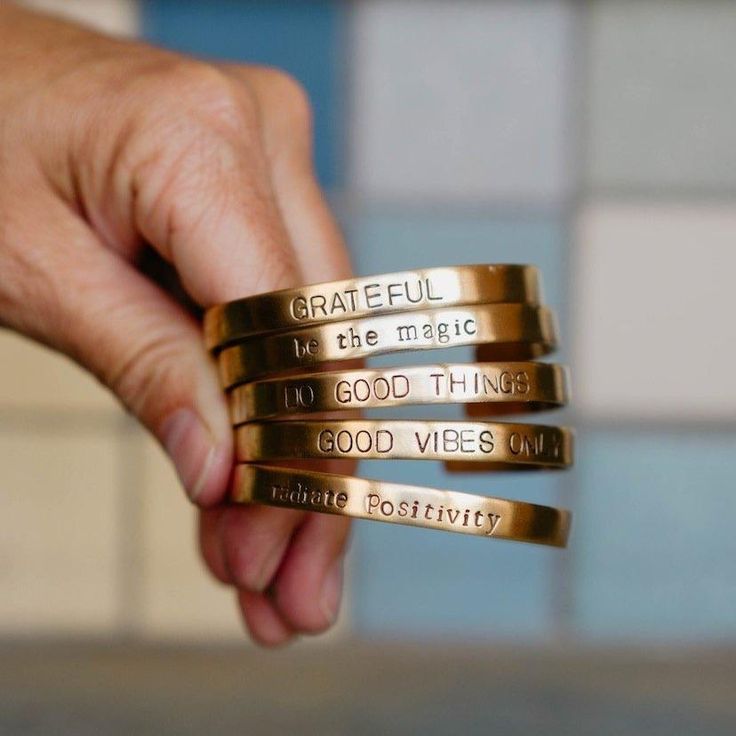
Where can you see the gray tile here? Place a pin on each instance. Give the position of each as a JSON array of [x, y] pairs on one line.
[[654, 288], [662, 107], [461, 100]]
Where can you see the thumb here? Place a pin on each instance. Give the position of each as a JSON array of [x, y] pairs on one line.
[[141, 344]]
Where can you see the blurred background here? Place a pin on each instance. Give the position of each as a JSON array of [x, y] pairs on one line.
[[594, 139]]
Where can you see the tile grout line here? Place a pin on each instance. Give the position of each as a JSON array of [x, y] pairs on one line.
[[129, 542], [346, 205], [577, 152]]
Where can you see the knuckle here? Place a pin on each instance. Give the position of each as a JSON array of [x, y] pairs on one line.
[[151, 378], [277, 270], [288, 112], [209, 98], [292, 97]]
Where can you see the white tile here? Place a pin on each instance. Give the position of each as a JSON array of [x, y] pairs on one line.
[[58, 534], [661, 94], [34, 376], [112, 16], [179, 597], [654, 329], [460, 100]]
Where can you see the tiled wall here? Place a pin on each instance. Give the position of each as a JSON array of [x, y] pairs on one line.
[[594, 139]]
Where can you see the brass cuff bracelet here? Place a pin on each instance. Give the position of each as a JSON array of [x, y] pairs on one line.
[[516, 386], [360, 498], [427, 288], [527, 331], [502, 445]]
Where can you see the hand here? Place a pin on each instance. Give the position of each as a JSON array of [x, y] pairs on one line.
[[108, 147]]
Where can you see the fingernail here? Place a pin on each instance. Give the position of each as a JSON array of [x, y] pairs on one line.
[[332, 591], [190, 446]]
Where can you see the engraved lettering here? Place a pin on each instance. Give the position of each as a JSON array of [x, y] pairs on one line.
[[538, 445], [442, 332], [298, 308], [317, 303], [450, 441], [407, 332], [350, 339], [494, 519], [315, 498], [372, 502], [373, 296], [394, 293], [351, 295], [454, 380], [430, 296], [418, 296], [299, 396], [363, 441], [337, 306], [505, 383], [376, 505], [302, 349], [381, 388], [486, 442], [360, 390], [423, 445], [522, 382]]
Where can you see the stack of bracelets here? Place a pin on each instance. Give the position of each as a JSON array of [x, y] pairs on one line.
[[271, 350]]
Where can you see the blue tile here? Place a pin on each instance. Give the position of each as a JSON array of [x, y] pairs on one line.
[[420, 583], [301, 37], [414, 583], [654, 545], [382, 242]]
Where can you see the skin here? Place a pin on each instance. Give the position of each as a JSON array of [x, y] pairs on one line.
[[109, 148]]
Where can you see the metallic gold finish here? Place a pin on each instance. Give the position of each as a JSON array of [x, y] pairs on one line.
[[515, 386], [502, 445], [520, 330], [308, 306], [359, 498]]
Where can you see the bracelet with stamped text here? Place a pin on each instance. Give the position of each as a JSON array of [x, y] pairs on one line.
[[524, 330], [516, 386], [360, 498], [308, 306], [504, 445]]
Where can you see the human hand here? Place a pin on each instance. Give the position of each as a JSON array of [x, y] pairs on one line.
[[108, 147]]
